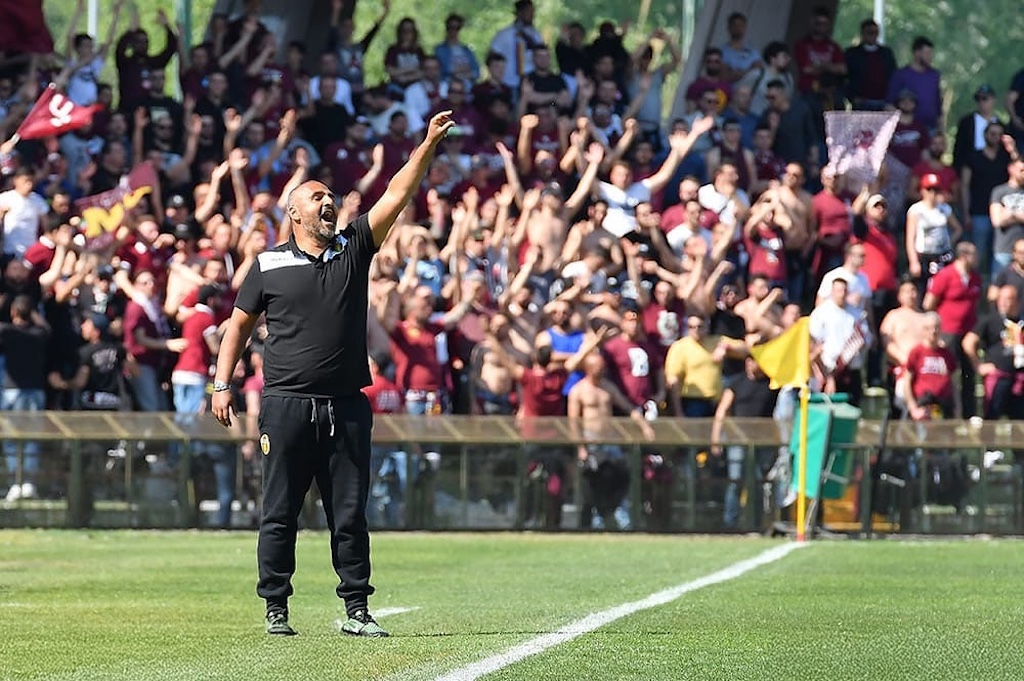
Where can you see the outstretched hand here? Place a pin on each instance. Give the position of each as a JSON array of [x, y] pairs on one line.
[[439, 126]]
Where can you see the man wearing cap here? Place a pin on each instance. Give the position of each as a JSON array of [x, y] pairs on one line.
[[970, 130], [881, 250], [911, 137], [931, 231]]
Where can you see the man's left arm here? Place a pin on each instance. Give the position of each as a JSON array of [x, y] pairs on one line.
[[404, 184]]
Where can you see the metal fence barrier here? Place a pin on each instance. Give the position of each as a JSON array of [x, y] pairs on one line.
[[128, 469]]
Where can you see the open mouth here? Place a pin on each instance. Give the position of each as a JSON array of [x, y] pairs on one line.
[[328, 215]]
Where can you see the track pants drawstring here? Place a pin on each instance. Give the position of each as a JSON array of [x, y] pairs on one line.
[[315, 417]]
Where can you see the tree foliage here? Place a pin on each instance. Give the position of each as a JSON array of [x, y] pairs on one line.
[[975, 40]]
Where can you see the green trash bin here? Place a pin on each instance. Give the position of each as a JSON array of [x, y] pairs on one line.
[[831, 422]]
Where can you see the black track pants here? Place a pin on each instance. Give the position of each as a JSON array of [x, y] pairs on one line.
[[328, 440]]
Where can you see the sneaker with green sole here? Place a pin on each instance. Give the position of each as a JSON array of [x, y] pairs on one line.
[[360, 623], [277, 624]]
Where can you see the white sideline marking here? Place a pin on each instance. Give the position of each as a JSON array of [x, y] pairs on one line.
[[383, 612], [597, 620]]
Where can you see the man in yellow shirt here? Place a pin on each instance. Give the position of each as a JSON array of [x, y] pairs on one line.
[[693, 368]]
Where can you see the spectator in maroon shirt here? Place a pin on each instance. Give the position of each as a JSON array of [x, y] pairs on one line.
[[194, 71], [764, 237], [832, 215], [954, 293], [135, 65], [493, 86], [663, 318], [821, 65], [910, 139], [713, 79], [633, 365], [39, 256], [147, 339], [870, 65], [351, 159], [929, 370]]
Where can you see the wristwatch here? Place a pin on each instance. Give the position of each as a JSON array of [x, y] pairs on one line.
[[220, 386]]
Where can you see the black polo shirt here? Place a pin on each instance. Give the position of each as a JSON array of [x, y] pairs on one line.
[[316, 314]]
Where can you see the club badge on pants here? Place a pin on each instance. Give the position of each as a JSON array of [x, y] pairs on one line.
[[265, 444]]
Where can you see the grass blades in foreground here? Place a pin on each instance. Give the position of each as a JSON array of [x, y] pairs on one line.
[[182, 605]]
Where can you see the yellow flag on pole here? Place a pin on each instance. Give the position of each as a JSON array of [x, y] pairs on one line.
[[786, 360]]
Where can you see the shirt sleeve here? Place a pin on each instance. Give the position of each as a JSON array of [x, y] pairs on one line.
[[250, 296], [359, 238]]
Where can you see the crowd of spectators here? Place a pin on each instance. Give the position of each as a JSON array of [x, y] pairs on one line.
[[569, 253]]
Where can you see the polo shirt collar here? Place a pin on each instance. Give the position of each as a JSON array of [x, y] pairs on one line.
[[335, 248]]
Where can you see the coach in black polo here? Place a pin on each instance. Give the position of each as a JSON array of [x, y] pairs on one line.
[[315, 422]]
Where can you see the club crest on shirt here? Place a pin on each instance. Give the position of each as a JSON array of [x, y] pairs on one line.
[[336, 248], [265, 444]]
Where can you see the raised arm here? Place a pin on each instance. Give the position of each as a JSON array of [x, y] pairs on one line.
[[69, 44], [406, 181], [681, 144]]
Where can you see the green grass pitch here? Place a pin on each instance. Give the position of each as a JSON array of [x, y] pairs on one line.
[[76, 606]]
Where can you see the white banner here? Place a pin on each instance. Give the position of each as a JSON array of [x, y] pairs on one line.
[[857, 142]]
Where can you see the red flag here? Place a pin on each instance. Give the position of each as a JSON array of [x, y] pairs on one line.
[[54, 114]]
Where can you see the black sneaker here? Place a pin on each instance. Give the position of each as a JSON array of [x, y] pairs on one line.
[[362, 624], [277, 623]]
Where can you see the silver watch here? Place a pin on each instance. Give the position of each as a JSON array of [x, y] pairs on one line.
[[220, 386]]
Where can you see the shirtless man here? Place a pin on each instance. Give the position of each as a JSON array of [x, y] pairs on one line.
[[902, 329], [761, 311], [604, 467], [491, 376], [797, 203], [545, 215]]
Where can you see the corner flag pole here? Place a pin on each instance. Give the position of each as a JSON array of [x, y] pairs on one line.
[[801, 497]]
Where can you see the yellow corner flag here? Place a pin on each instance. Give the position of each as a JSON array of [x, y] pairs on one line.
[[786, 360]]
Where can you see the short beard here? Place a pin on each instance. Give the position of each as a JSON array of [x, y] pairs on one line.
[[319, 232]]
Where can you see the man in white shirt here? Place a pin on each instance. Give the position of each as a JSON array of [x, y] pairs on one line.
[[22, 211], [516, 43], [85, 67], [329, 68], [623, 195], [840, 334], [424, 96], [858, 293], [725, 199], [380, 108]]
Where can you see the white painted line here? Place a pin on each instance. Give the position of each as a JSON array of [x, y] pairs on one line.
[[383, 612], [597, 620], [386, 612]]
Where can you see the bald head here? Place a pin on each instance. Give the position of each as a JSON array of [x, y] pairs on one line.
[[312, 207]]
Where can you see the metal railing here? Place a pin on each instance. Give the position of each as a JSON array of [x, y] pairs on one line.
[[109, 469]]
